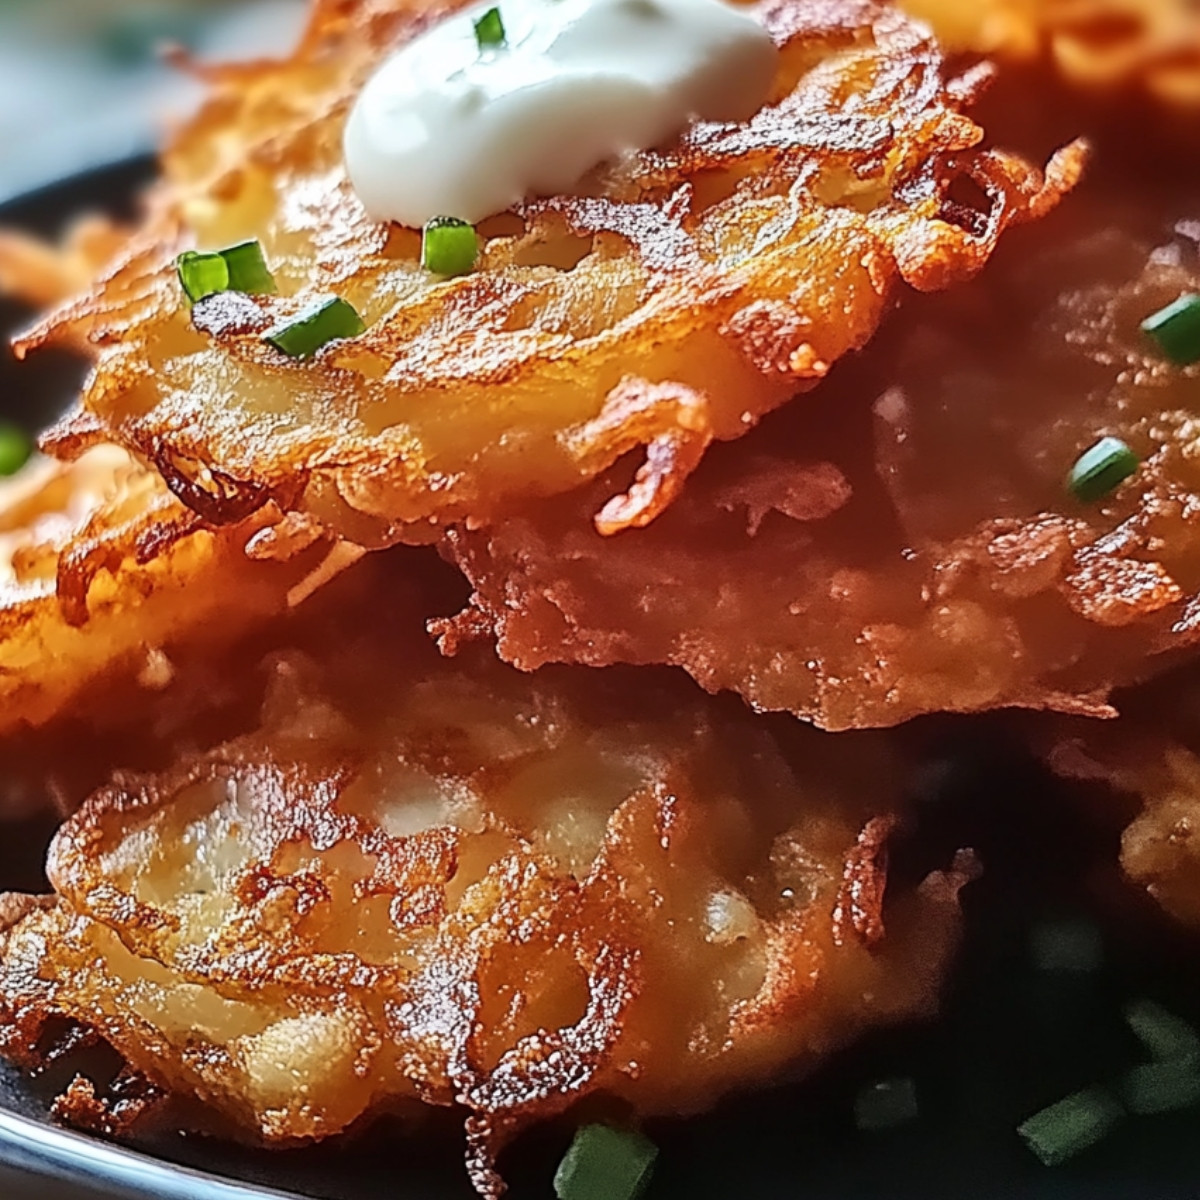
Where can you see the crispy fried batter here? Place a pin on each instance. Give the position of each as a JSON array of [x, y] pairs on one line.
[[905, 542], [1094, 43], [103, 572], [683, 294], [476, 889]]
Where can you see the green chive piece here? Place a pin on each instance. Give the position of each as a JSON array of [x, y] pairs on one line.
[[1160, 1087], [1065, 1129], [1176, 329], [1071, 944], [248, 270], [15, 448], [605, 1164], [240, 268], [489, 30], [886, 1104], [449, 247], [1167, 1038], [202, 275], [316, 326], [1099, 470]]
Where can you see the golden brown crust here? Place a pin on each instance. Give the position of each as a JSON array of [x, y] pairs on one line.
[[475, 889], [102, 570], [934, 560], [733, 267]]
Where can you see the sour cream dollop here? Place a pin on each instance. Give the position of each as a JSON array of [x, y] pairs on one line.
[[444, 128]]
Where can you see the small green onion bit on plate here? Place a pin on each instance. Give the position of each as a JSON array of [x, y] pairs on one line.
[[240, 268], [489, 30], [1060, 1132], [15, 448], [1176, 329], [1099, 470], [1166, 1037], [449, 247], [885, 1105], [605, 1164], [316, 326], [1159, 1087]]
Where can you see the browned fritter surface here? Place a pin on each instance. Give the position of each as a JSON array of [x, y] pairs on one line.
[[104, 573], [1095, 44], [671, 303], [470, 887], [904, 542]]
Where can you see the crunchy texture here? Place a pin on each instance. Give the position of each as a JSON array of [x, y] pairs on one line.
[[679, 296], [414, 883], [104, 572], [905, 542]]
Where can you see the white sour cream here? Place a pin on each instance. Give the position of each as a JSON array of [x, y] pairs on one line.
[[445, 129]]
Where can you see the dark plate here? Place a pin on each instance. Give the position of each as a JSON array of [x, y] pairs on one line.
[[1010, 1040]]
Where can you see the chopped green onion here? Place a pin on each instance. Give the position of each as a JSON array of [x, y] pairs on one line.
[[316, 326], [15, 448], [489, 30], [1071, 944], [1099, 470], [248, 270], [202, 275], [1167, 1038], [449, 246], [886, 1104], [1176, 329], [240, 268], [1159, 1087], [1073, 1125], [605, 1164]]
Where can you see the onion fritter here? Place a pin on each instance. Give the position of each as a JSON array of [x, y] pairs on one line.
[[475, 889], [905, 543], [683, 293], [1094, 43], [103, 571]]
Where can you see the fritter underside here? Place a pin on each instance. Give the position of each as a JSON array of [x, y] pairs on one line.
[[1097, 44], [472, 888], [680, 295], [905, 543]]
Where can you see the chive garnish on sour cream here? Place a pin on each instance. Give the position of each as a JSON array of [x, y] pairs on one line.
[[449, 247], [316, 326], [240, 268], [489, 30], [1100, 469], [1176, 329], [605, 1164]]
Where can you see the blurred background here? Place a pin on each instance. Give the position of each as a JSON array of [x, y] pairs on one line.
[[81, 82]]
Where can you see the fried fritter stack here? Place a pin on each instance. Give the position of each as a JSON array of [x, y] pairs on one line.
[[463, 885], [403, 879], [905, 543], [682, 294]]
